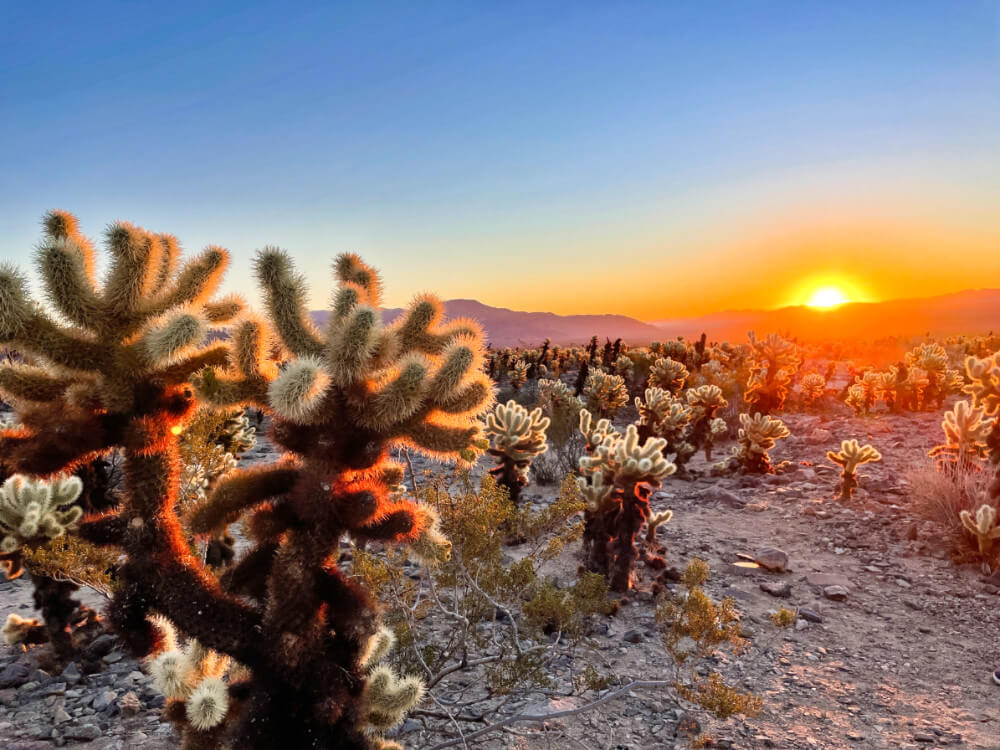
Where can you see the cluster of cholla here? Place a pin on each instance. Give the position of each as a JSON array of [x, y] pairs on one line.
[[618, 476], [279, 647], [921, 381], [686, 421], [972, 437], [773, 365]]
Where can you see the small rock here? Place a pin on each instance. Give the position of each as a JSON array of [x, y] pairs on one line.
[[772, 559], [633, 636], [14, 675], [780, 589], [836, 593], [84, 732], [104, 699], [810, 615], [71, 675]]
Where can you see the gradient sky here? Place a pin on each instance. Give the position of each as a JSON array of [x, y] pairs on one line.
[[653, 159]]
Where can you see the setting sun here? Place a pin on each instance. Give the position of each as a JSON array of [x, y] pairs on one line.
[[828, 296]]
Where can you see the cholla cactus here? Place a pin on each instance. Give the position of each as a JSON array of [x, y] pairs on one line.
[[813, 386], [120, 377], [624, 366], [966, 431], [654, 522], [32, 510], [668, 374], [516, 437], [705, 401], [617, 479], [23, 631], [774, 361], [983, 526], [863, 395], [518, 374], [387, 697], [984, 387], [557, 402], [850, 456], [605, 393], [758, 434], [932, 361], [661, 415]]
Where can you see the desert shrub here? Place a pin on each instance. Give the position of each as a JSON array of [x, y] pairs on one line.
[[942, 497], [813, 385], [692, 628]]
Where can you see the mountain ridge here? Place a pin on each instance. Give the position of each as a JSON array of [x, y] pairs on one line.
[[969, 311]]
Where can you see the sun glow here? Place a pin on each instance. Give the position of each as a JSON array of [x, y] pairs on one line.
[[827, 296]]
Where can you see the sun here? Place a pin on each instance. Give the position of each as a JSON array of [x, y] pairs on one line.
[[827, 296]]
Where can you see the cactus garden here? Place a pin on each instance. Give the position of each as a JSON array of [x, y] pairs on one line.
[[499, 376]]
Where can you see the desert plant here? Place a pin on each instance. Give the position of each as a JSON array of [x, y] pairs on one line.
[[518, 374], [983, 526], [705, 401], [850, 456], [516, 437], [965, 432], [932, 361], [605, 393], [557, 402], [119, 378], [348, 397], [617, 479], [773, 363], [756, 437], [984, 387], [663, 416], [813, 386], [692, 628], [668, 374]]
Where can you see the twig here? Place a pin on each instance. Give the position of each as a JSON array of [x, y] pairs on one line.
[[518, 718]]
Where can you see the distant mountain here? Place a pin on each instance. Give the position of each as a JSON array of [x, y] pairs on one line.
[[974, 311], [967, 312], [512, 328]]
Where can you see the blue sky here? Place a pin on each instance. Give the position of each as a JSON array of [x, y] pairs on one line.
[[537, 155]]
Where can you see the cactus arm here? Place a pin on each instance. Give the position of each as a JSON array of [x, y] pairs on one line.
[[239, 492], [285, 298], [22, 382]]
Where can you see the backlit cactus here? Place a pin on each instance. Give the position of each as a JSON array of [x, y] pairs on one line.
[[773, 363], [605, 394], [34, 509], [557, 402], [966, 431], [850, 456], [668, 374], [983, 526], [119, 377], [617, 479], [984, 387], [705, 401], [516, 437], [518, 374], [663, 416], [813, 386], [758, 434]]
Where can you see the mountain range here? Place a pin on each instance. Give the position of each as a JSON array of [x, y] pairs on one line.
[[966, 312]]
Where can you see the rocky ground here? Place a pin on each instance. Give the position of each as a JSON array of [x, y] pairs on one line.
[[893, 646]]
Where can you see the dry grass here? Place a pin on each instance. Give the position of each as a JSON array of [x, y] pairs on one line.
[[941, 496]]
